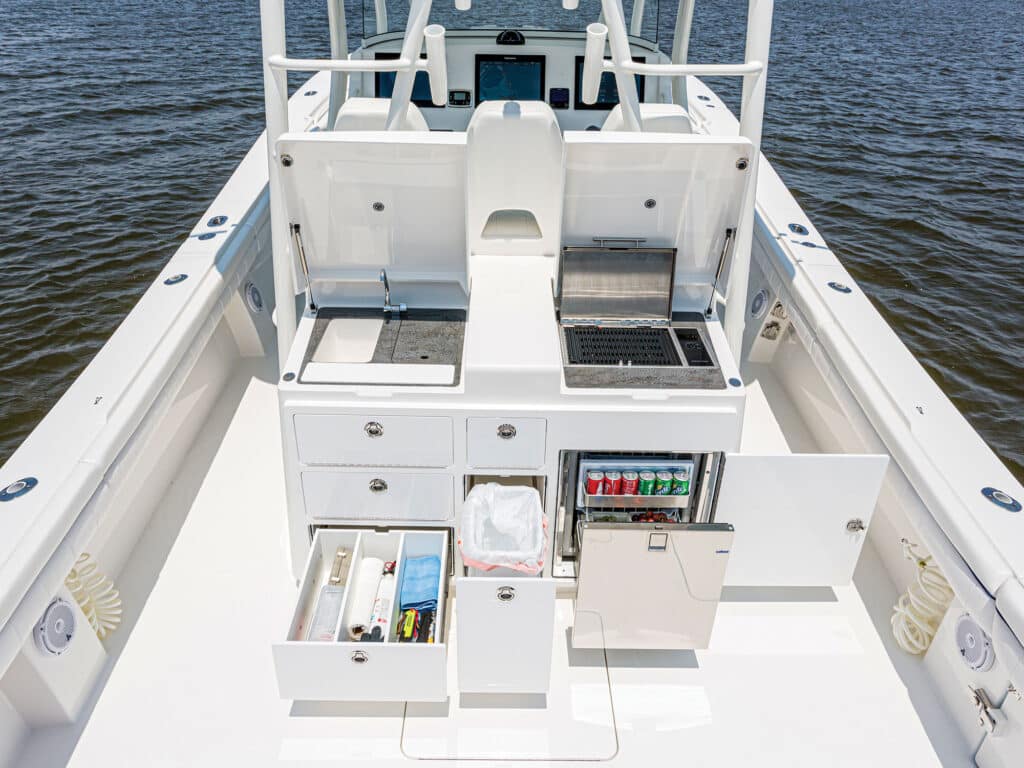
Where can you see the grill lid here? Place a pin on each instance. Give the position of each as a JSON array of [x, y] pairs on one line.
[[601, 283]]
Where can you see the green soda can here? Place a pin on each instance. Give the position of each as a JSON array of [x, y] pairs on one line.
[[646, 484], [681, 482], [663, 484]]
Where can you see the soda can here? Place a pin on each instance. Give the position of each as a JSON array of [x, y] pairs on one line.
[[681, 482], [612, 484], [663, 484], [646, 484], [595, 480], [630, 483]]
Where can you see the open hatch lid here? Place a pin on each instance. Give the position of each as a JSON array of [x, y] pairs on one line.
[[370, 200], [661, 191]]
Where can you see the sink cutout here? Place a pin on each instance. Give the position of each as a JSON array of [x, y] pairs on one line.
[[349, 340]]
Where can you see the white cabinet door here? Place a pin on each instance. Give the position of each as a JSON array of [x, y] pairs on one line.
[[800, 519], [514, 443], [649, 586], [504, 629]]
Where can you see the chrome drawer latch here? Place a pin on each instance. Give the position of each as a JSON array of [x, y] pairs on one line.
[[506, 594], [374, 429], [506, 431], [359, 657], [856, 525], [378, 486]]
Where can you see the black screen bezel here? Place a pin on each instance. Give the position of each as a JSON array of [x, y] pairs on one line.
[[386, 56], [532, 58], [577, 94]]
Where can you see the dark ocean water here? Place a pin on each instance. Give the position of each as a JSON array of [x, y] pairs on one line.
[[899, 125]]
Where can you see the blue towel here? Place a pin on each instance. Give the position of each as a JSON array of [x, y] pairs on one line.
[[420, 576]]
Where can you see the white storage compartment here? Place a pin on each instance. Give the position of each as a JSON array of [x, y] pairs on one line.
[[346, 670], [800, 519], [516, 443], [378, 495], [505, 628], [374, 440]]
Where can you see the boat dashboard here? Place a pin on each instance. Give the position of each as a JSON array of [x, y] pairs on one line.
[[485, 65]]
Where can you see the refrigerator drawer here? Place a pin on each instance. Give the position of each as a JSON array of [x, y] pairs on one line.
[[649, 586]]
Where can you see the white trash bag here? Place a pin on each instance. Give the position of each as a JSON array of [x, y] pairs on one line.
[[503, 526]]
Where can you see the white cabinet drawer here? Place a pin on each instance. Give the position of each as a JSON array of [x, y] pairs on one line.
[[505, 443], [505, 626], [377, 495], [373, 440], [343, 670]]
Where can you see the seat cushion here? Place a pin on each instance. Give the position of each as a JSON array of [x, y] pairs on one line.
[[657, 118], [359, 114]]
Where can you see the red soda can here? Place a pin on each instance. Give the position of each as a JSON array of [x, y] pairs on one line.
[[612, 484], [595, 481], [630, 483]]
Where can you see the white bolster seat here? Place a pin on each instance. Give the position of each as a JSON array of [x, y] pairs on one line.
[[362, 114], [655, 118]]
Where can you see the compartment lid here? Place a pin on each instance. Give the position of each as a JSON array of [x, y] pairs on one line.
[[366, 200]]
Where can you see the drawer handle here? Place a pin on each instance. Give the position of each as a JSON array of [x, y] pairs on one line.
[[378, 486], [856, 525], [506, 431], [359, 657], [374, 429], [506, 594]]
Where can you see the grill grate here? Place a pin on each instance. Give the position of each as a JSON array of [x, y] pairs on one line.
[[600, 345]]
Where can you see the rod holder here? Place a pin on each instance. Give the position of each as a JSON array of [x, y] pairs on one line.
[[593, 61], [437, 64]]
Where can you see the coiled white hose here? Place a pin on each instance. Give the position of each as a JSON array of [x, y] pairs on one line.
[[95, 594], [918, 612]]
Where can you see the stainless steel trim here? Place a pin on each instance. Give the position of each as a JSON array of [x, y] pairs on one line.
[[506, 431]]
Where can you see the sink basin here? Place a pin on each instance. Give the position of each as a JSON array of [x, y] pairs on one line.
[[349, 340], [363, 346]]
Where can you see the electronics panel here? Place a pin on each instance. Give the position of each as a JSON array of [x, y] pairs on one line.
[[509, 76], [608, 92], [480, 68]]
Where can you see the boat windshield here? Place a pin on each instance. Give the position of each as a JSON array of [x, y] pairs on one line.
[[381, 16]]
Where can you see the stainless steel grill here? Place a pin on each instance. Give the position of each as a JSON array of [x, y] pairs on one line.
[[600, 345]]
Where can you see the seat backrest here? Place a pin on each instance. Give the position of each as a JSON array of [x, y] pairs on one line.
[[656, 118], [514, 179], [367, 200], [362, 114]]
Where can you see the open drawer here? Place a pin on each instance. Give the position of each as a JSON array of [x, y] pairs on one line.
[[342, 669]]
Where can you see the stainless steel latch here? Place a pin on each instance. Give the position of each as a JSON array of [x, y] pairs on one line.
[[990, 717]]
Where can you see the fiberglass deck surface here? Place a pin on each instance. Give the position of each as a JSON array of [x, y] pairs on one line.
[[803, 681]]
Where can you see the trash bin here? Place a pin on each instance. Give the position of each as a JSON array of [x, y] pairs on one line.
[[503, 530]]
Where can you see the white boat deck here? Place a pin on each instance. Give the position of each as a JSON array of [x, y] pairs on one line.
[[194, 684]]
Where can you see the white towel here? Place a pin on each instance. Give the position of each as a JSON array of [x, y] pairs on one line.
[[362, 594]]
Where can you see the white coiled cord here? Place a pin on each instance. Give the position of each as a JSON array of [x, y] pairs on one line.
[[918, 612], [95, 594]]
